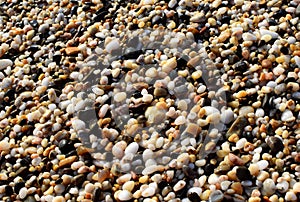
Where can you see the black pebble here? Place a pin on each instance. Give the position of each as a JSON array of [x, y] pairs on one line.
[[275, 144], [194, 197], [243, 173], [9, 190], [19, 186]]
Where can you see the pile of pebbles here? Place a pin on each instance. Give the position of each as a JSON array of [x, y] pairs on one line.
[[90, 111]]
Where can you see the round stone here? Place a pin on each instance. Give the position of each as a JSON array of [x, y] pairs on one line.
[[243, 173]]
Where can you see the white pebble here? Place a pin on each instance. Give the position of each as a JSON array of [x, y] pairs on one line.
[[132, 148], [23, 192], [112, 45], [263, 164], [4, 63], [287, 115], [179, 185], [119, 97], [78, 124], [180, 120], [150, 191], [196, 190]]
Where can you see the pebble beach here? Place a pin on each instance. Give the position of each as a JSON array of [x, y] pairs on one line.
[[176, 100]]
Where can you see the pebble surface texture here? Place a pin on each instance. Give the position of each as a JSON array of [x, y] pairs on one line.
[[63, 60]]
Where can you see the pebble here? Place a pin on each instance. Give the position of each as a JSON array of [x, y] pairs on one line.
[[243, 173], [112, 45], [275, 144], [4, 63], [59, 199], [290, 196], [180, 120], [23, 193], [296, 187], [216, 196], [287, 116], [125, 195], [4, 145], [179, 185], [150, 191], [72, 50]]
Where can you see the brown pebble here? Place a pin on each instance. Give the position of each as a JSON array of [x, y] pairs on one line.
[[67, 161], [237, 187], [266, 63], [235, 160], [72, 50]]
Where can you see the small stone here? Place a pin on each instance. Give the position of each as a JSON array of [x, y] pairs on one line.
[[112, 45], [275, 144], [235, 160], [3, 177], [266, 37], [243, 173], [67, 161], [128, 186], [179, 185], [193, 62], [72, 50], [150, 191], [274, 35], [287, 116], [4, 145], [43, 28], [249, 37], [290, 196], [169, 65], [120, 97], [245, 110], [282, 186], [78, 124], [296, 187], [4, 63], [193, 129], [180, 120], [23, 192], [239, 2], [216, 196], [269, 187], [125, 195], [132, 148], [237, 127], [254, 169], [59, 199], [262, 164], [266, 63]]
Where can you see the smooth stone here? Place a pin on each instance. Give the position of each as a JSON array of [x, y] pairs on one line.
[[4, 145], [216, 196], [120, 97], [112, 45], [150, 191], [249, 37], [179, 185], [72, 50], [4, 63], [125, 195], [265, 32], [23, 193], [269, 187], [296, 187], [287, 115], [243, 173], [275, 144]]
